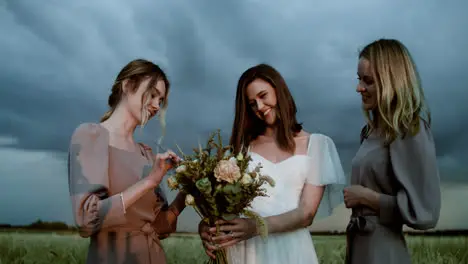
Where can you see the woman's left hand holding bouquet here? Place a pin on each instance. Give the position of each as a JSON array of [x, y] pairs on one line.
[[234, 231], [211, 242]]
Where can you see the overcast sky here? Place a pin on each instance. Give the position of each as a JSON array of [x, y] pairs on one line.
[[60, 58]]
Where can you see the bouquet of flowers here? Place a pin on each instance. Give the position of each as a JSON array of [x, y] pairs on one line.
[[219, 185]]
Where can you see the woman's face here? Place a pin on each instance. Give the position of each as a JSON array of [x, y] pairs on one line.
[[261, 97], [366, 86], [148, 105]]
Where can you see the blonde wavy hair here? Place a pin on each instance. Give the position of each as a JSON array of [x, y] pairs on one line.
[[400, 97]]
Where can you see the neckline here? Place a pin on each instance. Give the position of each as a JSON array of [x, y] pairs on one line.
[[140, 151], [281, 161]]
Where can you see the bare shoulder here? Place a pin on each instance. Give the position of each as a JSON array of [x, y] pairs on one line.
[[303, 133], [302, 139]]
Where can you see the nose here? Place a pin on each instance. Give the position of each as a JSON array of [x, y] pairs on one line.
[[155, 104], [360, 89], [260, 105]]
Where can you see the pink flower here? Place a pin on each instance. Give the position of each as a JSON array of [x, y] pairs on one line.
[[227, 171]]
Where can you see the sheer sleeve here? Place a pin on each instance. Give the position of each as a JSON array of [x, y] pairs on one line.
[[88, 181], [417, 202], [326, 170]]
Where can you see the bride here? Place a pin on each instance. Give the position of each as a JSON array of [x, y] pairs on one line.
[[306, 167]]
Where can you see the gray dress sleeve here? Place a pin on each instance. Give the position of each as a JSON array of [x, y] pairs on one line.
[[88, 178], [418, 199]]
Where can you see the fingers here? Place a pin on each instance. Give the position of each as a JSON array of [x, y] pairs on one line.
[[351, 203], [205, 236], [210, 254], [226, 237], [225, 228], [173, 155], [168, 155], [222, 222], [229, 243], [209, 248], [237, 224]]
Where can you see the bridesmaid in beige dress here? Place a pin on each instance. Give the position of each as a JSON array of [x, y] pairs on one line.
[[395, 178], [114, 182]]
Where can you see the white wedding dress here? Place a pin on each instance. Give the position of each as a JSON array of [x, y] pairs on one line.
[[321, 166]]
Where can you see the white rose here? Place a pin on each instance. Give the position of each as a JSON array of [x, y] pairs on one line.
[[180, 169], [233, 160], [240, 157], [195, 161], [189, 200], [246, 179]]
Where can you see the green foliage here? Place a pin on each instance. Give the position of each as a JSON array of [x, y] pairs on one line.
[[219, 184], [47, 248], [218, 180]]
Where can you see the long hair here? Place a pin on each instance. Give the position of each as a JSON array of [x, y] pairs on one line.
[[247, 126], [135, 72], [400, 97]]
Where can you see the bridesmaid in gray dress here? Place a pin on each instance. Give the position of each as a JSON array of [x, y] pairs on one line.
[[395, 178]]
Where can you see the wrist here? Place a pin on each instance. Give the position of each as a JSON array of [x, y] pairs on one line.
[[254, 227], [150, 183], [370, 198]]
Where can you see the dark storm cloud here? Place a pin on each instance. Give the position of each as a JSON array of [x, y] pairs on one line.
[[63, 56]]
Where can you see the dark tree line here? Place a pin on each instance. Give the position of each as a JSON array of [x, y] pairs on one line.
[[61, 226], [41, 225]]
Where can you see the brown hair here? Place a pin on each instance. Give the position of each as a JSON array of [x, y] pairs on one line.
[[247, 126], [135, 72], [400, 97]]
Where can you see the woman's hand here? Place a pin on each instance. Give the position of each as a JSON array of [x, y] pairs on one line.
[[357, 195], [236, 230], [162, 163], [205, 235]]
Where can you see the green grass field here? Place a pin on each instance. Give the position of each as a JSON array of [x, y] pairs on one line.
[[51, 248]]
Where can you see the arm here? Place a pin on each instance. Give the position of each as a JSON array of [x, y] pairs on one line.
[[94, 208], [418, 200], [166, 220], [246, 228], [300, 217], [325, 170]]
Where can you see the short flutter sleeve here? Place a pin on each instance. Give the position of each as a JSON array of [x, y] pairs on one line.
[[418, 200], [88, 179], [326, 170]]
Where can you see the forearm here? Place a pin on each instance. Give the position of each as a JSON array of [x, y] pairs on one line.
[[289, 221], [166, 220], [300, 217], [95, 213], [178, 205], [372, 200], [136, 191]]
